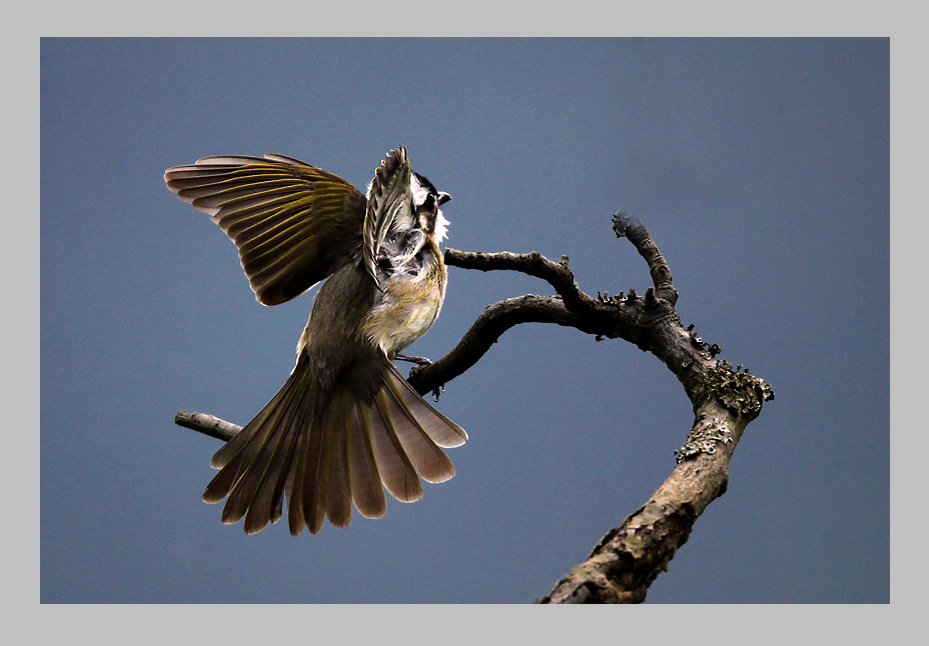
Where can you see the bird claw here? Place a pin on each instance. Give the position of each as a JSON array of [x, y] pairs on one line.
[[421, 363]]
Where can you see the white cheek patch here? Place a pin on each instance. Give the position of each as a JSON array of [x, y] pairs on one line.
[[419, 192], [441, 226]]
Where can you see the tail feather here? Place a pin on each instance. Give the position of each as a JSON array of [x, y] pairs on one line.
[[325, 450], [367, 490], [232, 448], [397, 472], [235, 457], [339, 499], [257, 457], [294, 488], [265, 505], [232, 467], [284, 478], [430, 461], [312, 493], [437, 426]]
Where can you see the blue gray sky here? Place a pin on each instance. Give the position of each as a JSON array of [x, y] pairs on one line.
[[761, 168]]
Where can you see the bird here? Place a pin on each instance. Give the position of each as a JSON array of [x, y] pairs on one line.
[[345, 425]]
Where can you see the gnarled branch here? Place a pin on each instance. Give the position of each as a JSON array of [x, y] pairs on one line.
[[725, 400]]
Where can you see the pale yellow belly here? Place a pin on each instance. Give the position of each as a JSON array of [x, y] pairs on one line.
[[407, 311]]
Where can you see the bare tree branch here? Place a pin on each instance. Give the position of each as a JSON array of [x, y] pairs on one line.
[[208, 425], [725, 400]]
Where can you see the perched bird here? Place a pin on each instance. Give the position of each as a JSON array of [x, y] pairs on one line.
[[345, 425]]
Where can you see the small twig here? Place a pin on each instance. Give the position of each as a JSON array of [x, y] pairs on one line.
[[208, 425], [557, 274]]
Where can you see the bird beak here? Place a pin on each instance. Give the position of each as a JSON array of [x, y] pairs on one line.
[[443, 198]]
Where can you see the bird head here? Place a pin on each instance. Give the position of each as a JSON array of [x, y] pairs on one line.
[[426, 205]]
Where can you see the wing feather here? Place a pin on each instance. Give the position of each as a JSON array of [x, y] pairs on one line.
[[389, 216], [292, 223]]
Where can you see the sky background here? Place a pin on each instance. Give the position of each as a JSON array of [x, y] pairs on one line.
[[761, 167]]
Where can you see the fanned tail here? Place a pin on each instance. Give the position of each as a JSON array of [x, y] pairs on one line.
[[328, 450]]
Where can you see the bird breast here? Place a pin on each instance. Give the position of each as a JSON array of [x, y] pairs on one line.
[[408, 306]]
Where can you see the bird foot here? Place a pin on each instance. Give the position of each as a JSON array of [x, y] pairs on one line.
[[421, 362]]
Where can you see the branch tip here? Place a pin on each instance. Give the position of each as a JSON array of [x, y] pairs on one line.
[[622, 221]]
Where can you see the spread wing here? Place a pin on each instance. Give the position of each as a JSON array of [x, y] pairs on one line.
[[293, 224], [392, 235]]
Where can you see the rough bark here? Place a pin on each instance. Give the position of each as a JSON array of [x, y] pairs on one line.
[[725, 400]]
